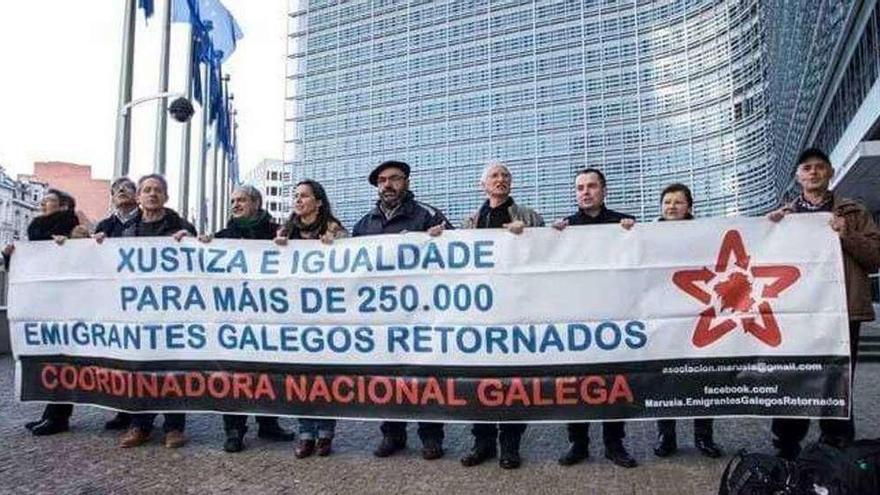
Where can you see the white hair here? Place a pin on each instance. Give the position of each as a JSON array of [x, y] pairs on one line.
[[251, 192], [488, 169]]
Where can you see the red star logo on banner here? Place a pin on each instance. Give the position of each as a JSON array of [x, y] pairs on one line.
[[733, 288]]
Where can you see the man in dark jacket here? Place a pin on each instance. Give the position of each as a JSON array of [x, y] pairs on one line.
[[249, 221], [57, 220], [860, 240], [398, 211], [155, 220], [120, 223], [590, 192]]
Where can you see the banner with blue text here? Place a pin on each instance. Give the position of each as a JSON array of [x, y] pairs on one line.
[[718, 317]]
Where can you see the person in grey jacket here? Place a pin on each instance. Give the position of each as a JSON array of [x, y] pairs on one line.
[[498, 211], [496, 182]]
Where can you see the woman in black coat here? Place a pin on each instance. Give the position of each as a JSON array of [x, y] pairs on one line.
[[57, 221]]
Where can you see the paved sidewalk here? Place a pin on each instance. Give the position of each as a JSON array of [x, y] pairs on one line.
[[87, 461]]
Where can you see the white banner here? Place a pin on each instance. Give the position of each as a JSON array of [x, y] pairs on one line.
[[733, 292]]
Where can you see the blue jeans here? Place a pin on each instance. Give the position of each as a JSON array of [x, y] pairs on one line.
[[310, 428]]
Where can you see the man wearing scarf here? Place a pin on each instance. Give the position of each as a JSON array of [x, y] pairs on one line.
[[860, 240], [249, 221]]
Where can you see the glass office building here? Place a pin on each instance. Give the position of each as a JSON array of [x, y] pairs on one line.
[[650, 92]]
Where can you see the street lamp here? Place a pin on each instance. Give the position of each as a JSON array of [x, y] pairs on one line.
[[180, 109]]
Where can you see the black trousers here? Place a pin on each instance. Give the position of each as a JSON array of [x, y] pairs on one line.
[[506, 433], [239, 422], [427, 431], [613, 432], [58, 411], [702, 427], [173, 422], [789, 432], [64, 411]]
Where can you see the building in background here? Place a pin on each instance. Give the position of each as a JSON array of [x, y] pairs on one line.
[[19, 204], [824, 89], [272, 178], [92, 195], [649, 92]]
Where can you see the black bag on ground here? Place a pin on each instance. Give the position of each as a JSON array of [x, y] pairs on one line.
[[827, 470], [756, 474]]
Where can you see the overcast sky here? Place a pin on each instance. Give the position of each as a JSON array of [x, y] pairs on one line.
[[59, 82]]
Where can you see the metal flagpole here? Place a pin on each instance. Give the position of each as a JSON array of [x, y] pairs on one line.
[[161, 114], [203, 153], [214, 174], [183, 200], [220, 168], [123, 117]]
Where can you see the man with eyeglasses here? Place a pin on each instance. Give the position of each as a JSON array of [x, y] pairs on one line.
[[122, 220], [120, 223], [397, 211]]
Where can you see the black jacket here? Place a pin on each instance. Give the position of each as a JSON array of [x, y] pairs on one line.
[[168, 225], [112, 226], [58, 223], [410, 216], [605, 216], [263, 228], [43, 228]]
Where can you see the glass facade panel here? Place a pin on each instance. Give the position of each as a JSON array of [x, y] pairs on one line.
[[650, 92]]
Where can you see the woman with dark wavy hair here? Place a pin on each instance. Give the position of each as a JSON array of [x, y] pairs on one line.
[[312, 218]]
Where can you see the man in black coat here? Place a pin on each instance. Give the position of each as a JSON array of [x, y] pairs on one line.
[[398, 211], [249, 221], [590, 192], [154, 220], [120, 223]]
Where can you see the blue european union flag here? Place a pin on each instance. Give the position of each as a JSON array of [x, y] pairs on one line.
[[215, 20], [148, 7]]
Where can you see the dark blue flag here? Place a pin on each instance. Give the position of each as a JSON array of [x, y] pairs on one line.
[[148, 7]]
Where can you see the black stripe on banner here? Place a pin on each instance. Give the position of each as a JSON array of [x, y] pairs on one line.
[[810, 386]]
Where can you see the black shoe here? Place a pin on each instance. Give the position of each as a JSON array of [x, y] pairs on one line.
[[275, 434], [30, 424], [432, 449], [578, 452], [480, 453], [234, 441], [788, 452], [510, 458], [618, 455], [119, 422], [389, 446], [50, 427], [666, 445], [707, 447]]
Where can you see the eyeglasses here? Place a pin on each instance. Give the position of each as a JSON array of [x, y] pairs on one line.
[[124, 187], [393, 178]]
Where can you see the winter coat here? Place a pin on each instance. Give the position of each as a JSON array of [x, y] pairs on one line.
[[410, 216], [523, 214], [262, 228], [605, 216], [168, 225], [861, 255]]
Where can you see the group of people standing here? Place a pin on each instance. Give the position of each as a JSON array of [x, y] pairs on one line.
[[139, 211]]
